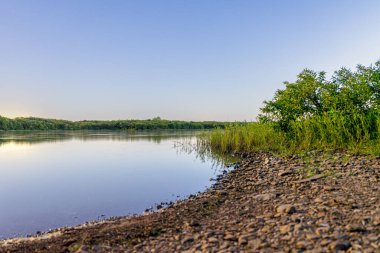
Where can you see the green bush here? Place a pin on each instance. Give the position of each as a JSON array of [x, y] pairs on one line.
[[347, 93], [313, 113]]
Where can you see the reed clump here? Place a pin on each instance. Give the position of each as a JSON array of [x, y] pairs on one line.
[[242, 138], [354, 132]]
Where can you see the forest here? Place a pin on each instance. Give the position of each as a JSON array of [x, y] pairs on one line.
[[32, 123]]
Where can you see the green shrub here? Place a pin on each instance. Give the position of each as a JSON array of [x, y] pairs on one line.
[[347, 93], [312, 113]]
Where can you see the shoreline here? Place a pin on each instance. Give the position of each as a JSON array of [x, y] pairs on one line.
[[266, 204]]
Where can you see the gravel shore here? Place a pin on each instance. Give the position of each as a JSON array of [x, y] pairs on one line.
[[329, 203]]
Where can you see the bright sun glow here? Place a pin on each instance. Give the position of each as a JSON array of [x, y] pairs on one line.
[[14, 148]]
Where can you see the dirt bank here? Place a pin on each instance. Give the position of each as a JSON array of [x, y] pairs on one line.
[[267, 204]]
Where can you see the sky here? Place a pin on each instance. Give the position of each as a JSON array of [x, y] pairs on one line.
[[177, 59]]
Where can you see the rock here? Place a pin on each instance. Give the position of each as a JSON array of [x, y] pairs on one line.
[[355, 228], [312, 237], [287, 237], [222, 193], [137, 246], [373, 238], [209, 233], [285, 173], [286, 209], [192, 223], [325, 242], [340, 246], [285, 229], [252, 225], [188, 239], [302, 245], [255, 243], [230, 237], [243, 239], [313, 178], [264, 197], [329, 188], [296, 217], [213, 240], [265, 229], [82, 249], [298, 227], [322, 231], [376, 220], [205, 247], [224, 245]]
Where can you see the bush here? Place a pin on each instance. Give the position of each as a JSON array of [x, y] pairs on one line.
[[312, 94], [313, 113]]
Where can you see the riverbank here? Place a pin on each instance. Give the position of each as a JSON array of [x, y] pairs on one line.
[[325, 203]]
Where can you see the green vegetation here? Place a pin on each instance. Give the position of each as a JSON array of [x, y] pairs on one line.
[[31, 123], [312, 114], [244, 138]]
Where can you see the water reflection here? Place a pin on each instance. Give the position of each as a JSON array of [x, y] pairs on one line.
[[54, 179], [35, 137]]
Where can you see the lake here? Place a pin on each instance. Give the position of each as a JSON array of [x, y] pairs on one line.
[[54, 179]]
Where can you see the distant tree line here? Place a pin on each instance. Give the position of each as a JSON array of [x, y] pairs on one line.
[[32, 123]]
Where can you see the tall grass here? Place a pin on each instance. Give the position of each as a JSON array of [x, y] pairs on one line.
[[357, 133], [337, 131], [248, 137]]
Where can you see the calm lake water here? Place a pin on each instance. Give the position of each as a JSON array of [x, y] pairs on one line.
[[50, 180]]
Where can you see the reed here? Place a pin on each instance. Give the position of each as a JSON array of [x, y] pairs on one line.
[[358, 133], [249, 137], [349, 132]]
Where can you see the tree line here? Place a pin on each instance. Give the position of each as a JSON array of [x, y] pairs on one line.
[[33, 123]]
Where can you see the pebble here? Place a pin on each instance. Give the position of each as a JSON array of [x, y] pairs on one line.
[[188, 239], [265, 197], [286, 209], [340, 246], [285, 229], [213, 240], [230, 237]]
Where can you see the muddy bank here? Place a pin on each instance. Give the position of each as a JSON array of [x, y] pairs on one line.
[[329, 203]]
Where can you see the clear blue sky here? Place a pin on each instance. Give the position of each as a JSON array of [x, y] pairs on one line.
[[179, 59]]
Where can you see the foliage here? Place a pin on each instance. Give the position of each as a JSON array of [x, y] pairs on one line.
[[313, 113], [150, 124], [312, 94]]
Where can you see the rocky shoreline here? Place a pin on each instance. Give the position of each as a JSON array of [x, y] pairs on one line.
[[328, 203]]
